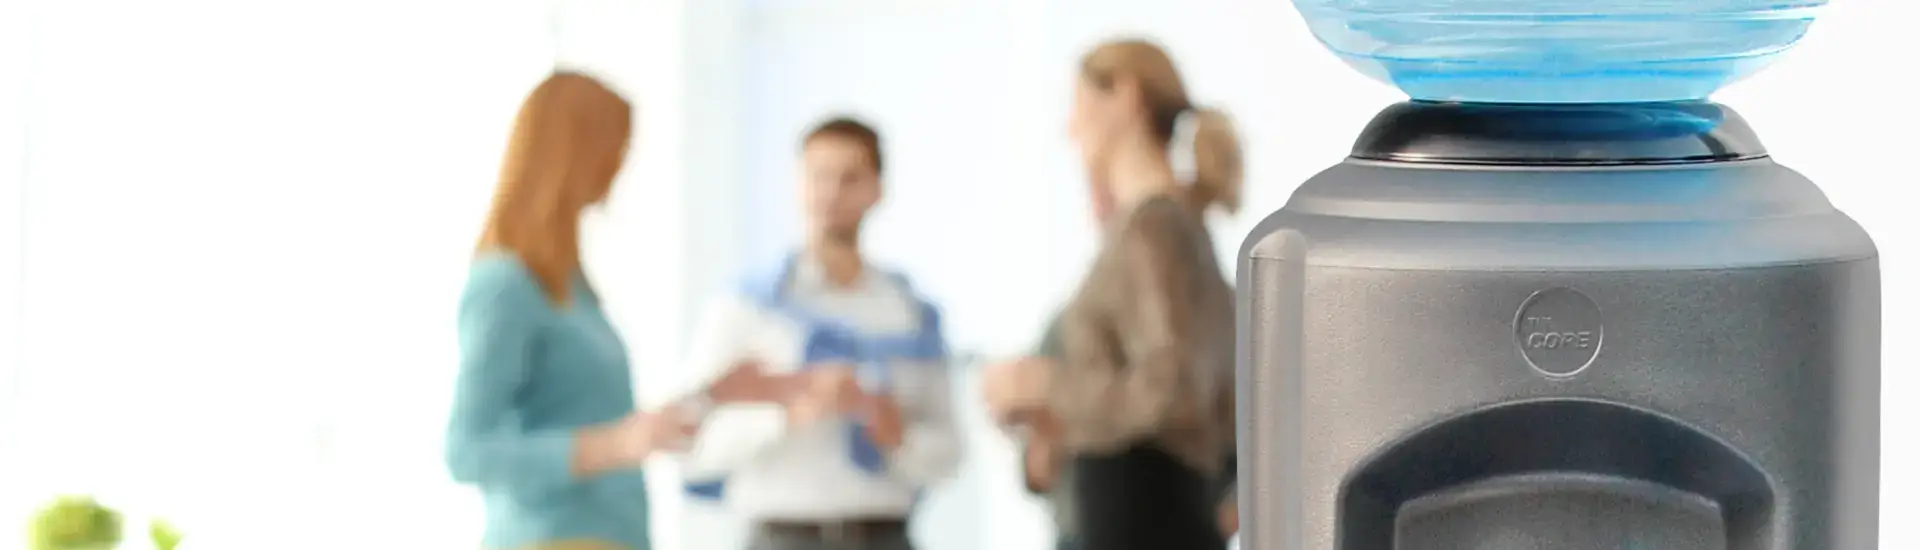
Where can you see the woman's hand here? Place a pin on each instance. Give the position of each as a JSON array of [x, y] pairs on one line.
[[1229, 517], [1041, 464], [627, 442], [667, 430], [1045, 449], [1016, 386]]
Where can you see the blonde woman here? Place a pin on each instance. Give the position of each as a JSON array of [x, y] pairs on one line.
[[1135, 400], [543, 419]]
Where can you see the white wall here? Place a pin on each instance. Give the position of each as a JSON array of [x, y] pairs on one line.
[[986, 205], [985, 192], [12, 166], [245, 237], [247, 227]]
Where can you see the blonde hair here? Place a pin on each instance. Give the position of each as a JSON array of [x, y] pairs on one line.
[[1218, 164], [567, 145]]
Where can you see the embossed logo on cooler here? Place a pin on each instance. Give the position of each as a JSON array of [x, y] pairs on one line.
[[1559, 331]]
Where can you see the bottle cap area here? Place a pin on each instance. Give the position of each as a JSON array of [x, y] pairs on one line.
[[1558, 134]]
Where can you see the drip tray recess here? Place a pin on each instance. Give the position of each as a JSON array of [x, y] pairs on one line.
[[1560, 511]]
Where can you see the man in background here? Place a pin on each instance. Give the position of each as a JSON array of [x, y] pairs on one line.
[[828, 401]]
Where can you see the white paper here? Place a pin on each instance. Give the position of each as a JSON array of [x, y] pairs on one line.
[[733, 434]]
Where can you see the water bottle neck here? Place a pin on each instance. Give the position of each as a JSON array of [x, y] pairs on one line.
[[1557, 134]]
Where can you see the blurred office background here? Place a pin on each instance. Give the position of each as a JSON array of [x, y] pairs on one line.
[[232, 231]]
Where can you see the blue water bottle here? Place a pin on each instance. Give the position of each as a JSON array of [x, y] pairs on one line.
[[1559, 299], [1558, 51]]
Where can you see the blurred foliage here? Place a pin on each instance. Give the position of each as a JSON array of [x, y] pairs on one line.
[[165, 537], [74, 523]]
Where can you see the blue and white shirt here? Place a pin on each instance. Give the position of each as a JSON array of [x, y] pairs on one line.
[[791, 316]]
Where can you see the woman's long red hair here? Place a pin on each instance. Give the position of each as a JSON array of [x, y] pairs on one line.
[[567, 145]]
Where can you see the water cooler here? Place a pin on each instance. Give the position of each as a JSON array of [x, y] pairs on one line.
[[1558, 300]]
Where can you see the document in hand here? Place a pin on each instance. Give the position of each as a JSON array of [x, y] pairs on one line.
[[730, 433]]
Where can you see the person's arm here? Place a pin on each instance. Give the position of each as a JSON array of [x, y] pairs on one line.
[[930, 448], [1042, 459], [1106, 400], [487, 443], [743, 421], [1040, 454], [1229, 514]]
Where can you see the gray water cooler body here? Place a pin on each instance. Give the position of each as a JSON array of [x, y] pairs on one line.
[[1580, 327]]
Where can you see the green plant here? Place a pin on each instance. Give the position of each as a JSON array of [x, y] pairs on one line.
[[74, 523], [165, 537]]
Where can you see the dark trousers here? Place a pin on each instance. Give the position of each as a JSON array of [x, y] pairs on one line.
[[765, 538], [1143, 499]]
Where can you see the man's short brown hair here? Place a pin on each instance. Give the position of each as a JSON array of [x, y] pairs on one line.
[[846, 127]]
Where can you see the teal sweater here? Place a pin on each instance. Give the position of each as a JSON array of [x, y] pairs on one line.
[[531, 375]]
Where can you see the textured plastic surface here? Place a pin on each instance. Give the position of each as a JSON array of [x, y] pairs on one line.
[[1558, 51], [1505, 357]]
